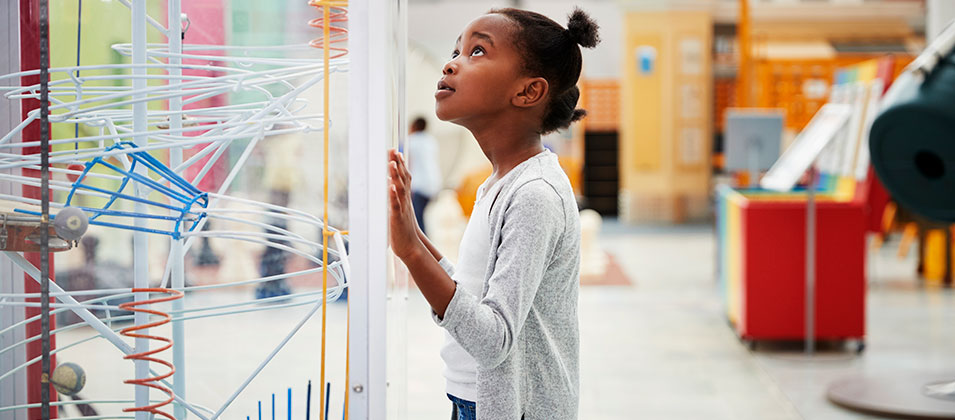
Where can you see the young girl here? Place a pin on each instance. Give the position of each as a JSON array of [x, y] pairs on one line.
[[510, 306]]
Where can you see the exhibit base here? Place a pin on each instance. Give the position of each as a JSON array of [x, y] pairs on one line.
[[911, 396]]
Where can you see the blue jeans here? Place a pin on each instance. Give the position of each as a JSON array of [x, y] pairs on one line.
[[462, 409], [418, 203]]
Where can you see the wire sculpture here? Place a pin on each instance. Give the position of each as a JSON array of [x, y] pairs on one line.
[[115, 177]]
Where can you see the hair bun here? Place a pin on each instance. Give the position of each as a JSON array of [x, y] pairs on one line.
[[578, 114], [583, 29]]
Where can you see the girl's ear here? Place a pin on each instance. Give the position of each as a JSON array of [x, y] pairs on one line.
[[533, 93]]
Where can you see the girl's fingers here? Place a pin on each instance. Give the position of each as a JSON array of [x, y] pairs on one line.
[[402, 169], [395, 199], [405, 174], [395, 174]]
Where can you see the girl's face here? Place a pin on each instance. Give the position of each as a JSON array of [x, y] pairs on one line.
[[483, 74]]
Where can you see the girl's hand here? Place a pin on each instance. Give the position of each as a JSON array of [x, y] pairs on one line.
[[403, 226]]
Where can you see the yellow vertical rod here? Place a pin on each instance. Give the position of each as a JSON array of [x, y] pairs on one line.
[[326, 21], [744, 40]]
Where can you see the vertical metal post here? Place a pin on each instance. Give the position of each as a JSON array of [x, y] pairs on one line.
[[45, 208], [140, 240], [811, 262], [175, 37], [753, 153], [29, 31], [370, 131]]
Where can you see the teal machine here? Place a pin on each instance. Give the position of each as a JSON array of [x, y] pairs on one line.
[[912, 144]]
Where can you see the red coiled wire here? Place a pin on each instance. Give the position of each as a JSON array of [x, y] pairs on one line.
[[337, 33], [152, 382]]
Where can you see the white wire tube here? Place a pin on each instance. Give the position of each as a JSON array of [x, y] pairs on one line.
[[54, 185], [83, 313], [83, 154], [210, 162], [333, 295], [58, 349], [31, 201], [265, 362], [54, 312], [123, 293], [65, 116], [164, 133], [66, 87], [61, 305], [214, 213], [233, 81], [278, 209], [255, 140], [56, 331], [302, 69], [54, 294], [279, 212], [65, 403], [255, 237], [266, 308], [72, 155], [90, 174], [161, 51]]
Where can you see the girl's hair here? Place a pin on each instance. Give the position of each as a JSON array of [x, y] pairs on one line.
[[551, 51]]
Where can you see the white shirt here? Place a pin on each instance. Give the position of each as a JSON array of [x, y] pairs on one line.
[[423, 164], [460, 367]]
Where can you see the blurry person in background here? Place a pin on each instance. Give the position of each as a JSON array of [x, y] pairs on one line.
[[422, 152]]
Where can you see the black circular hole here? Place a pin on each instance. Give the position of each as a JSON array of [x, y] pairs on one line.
[[929, 164]]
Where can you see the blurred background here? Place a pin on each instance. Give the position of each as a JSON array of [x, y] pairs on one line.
[[693, 277]]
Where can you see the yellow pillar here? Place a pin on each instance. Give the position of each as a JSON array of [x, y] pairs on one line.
[[666, 116]]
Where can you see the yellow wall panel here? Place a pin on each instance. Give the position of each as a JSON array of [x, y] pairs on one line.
[[642, 95], [666, 113]]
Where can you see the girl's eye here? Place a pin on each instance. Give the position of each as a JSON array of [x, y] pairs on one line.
[[455, 54], [477, 51]]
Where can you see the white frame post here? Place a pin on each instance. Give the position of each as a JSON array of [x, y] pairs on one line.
[[140, 240], [174, 36], [12, 389], [370, 129]]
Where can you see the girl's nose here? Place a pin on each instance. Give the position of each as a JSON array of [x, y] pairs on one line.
[[449, 68]]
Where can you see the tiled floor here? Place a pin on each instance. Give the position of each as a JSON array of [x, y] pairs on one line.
[[675, 357], [659, 349]]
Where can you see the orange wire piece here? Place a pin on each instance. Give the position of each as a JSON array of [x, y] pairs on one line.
[[147, 355], [337, 17]]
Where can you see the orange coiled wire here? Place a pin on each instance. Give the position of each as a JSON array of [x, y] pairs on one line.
[[147, 355], [338, 15]]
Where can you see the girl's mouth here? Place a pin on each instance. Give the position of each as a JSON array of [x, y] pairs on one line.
[[444, 90], [442, 85]]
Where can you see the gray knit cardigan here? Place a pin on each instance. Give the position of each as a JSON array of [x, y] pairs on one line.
[[523, 329]]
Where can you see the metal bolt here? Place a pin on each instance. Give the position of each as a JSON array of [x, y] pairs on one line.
[[358, 388]]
